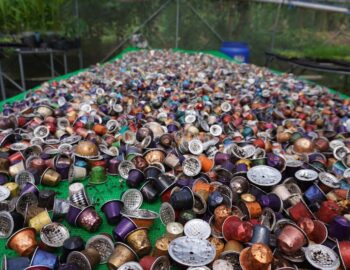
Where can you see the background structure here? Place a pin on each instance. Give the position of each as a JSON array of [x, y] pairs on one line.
[[103, 24]]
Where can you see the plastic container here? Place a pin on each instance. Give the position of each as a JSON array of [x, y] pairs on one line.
[[239, 51]]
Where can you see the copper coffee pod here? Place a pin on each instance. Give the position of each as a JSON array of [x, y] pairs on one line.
[[23, 241], [259, 256]]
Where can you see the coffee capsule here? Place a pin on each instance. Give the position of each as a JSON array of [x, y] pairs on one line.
[[40, 220], [259, 256], [197, 228], [54, 234], [72, 214], [50, 177], [7, 224], [291, 239], [112, 210], [130, 265], [121, 255], [73, 243], [132, 199], [123, 228], [141, 217], [97, 175], [191, 251], [80, 198], [60, 208], [343, 250], [182, 199], [88, 219], [23, 241], [44, 258], [103, 244], [322, 257], [135, 177], [339, 228], [86, 259], [148, 191], [14, 263], [315, 230], [154, 263], [174, 230], [46, 199], [234, 228], [139, 241]]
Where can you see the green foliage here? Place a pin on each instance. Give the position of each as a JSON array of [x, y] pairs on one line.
[[30, 15], [340, 52]]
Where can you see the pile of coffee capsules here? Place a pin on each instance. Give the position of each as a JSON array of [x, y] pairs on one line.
[[251, 170]]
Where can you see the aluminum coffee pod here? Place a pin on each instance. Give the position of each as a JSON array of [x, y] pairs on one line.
[[130, 266], [135, 177], [259, 256], [305, 178], [182, 199], [315, 230], [47, 199], [149, 192], [155, 263], [263, 175], [261, 234], [197, 228], [174, 230], [343, 250], [73, 243], [291, 239], [80, 198], [322, 257], [87, 259], [24, 177], [60, 208], [339, 228], [23, 248], [54, 234], [40, 220], [141, 217], [124, 167], [44, 258], [121, 255], [14, 263], [88, 219], [166, 213], [103, 244], [234, 228], [139, 241], [191, 251], [112, 210], [191, 166], [222, 265], [7, 224], [132, 199], [122, 229], [72, 214]]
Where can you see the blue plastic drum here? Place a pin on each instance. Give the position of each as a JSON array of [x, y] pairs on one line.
[[239, 51]]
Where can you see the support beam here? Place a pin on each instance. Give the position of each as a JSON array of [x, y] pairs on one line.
[[177, 23], [309, 5]]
